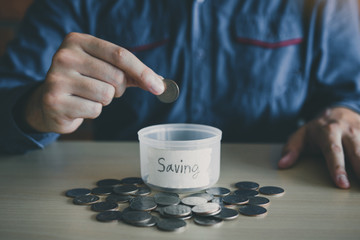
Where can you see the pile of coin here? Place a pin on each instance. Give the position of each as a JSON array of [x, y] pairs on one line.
[[130, 201]]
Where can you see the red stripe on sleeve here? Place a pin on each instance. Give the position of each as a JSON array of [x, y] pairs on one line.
[[269, 44], [148, 46]]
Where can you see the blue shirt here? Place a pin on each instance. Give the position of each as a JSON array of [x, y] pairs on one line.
[[251, 68]]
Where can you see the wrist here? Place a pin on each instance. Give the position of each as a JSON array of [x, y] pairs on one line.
[[21, 112]]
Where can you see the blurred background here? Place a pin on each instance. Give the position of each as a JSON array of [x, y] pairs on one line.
[[11, 13]]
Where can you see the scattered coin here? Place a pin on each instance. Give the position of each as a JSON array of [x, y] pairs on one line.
[[142, 191], [171, 224], [218, 191], [271, 190], [86, 200], [246, 185], [207, 196], [218, 200], [171, 92], [108, 182], [206, 209], [260, 201], [125, 189], [227, 214], [108, 216], [167, 200], [193, 201], [136, 216], [177, 210], [127, 209], [102, 190], [76, 192], [173, 214], [118, 198], [235, 199], [132, 180], [166, 194], [207, 221], [143, 204], [103, 206], [246, 193], [150, 223], [252, 210]]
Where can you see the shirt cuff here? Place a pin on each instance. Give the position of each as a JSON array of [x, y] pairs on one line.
[[13, 139]]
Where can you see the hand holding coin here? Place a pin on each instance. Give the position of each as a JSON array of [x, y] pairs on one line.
[[171, 92]]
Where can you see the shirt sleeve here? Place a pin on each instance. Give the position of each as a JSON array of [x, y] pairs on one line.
[[26, 62], [334, 47]]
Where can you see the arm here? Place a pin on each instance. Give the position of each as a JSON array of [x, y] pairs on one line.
[[59, 78], [335, 133]]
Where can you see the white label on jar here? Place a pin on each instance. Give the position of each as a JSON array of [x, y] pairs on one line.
[[179, 168]]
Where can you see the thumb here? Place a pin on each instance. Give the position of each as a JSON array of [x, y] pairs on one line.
[[293, 149]]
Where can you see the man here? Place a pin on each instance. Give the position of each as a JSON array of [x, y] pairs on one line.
[[255, 69]]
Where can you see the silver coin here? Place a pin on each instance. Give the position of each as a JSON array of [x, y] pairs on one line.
[[164, 215], [171, 224], [118, 198], [86, 200], [218, 191], [132, 180], [218, 200], [108, 216], [252, 210], [260, 201], [206, 209], [171, 92], [150, 223], [193, 201], [127, 209], [207, 221], [167, 200], [177, 210], [271, 190], [235, 199], [246, 193], [142, 191], [166, 194], [227, 214], [247, 185], [76, 192], [207, 196], [136, 216], [103, 206], [102, 190], [143, 204], [125, 189], [108, 182]]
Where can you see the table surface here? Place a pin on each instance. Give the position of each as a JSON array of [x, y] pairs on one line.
[[33, 205]]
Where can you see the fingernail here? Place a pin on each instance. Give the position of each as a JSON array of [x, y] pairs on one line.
[[342, 181], [157, 85]]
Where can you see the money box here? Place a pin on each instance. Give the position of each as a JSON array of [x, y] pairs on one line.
[[180, 157]]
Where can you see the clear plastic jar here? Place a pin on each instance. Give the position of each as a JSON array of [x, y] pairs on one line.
[[180, 157]]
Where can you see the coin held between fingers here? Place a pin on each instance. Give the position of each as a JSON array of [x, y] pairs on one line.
[[171, 92]]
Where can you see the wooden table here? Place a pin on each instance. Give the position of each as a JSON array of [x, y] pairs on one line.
[[33, 205]]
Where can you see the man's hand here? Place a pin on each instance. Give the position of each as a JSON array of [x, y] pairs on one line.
[[335, 134], [85, 75]]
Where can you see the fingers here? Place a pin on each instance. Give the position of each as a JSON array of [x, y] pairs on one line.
[[94, 90], [67, 112], [120, 58], [103, 71], [351, 143], [293, 149], [68, 63], [331, 147]]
